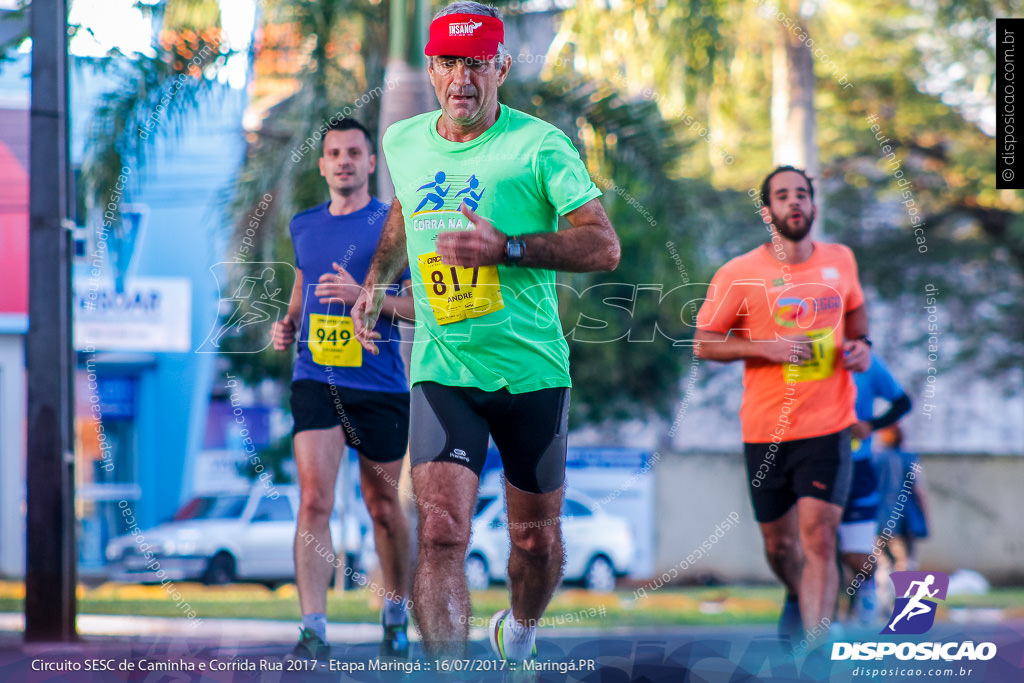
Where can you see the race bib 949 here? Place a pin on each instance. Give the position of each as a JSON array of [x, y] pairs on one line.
[[332, 341]]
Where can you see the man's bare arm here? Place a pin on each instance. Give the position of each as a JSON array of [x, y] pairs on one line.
[[283, 331], [341, 288], [856, 323], [390, 258], [589, 245], [727, 348], [400, 306], [295, 302], [388, 262], [856, 352]]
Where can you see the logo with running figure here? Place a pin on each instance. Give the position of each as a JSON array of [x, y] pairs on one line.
[[447, 192], [258, 298], [914, 612]]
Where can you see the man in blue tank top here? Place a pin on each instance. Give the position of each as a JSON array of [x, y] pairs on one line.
[[341, 394], [858, 531]]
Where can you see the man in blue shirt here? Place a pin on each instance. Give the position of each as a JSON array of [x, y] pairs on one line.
[[858, 531], [341, 394], [900, 478]]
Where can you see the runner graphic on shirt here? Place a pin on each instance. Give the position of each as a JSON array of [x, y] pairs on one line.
[[473, 198], [439, 192]]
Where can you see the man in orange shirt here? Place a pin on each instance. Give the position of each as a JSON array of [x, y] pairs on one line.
[[793, 311]]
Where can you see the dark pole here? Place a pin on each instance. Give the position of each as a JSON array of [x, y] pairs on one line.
[[50, 554]]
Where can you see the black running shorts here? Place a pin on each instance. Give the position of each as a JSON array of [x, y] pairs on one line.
[[375, 423], [780, 473], [451, 424]]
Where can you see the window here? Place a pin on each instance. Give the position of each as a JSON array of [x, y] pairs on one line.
[[273, 510], [574, 508], [106, 451], [213, 507]]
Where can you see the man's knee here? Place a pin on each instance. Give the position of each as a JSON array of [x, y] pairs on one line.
[[384, 511], [539, 541], [442, 531], [315, 504], [779, 548], [819, 541]]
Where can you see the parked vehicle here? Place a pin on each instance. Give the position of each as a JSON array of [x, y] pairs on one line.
[[238, 535], [598, 547]]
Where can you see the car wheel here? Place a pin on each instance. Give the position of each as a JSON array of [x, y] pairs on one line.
[[600, 575], [477, 576], [221, 569]]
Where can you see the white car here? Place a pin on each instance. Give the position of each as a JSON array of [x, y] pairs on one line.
[[240, 535], [598, 547]]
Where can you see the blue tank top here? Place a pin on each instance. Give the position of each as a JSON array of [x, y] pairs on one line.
[[328, 352]]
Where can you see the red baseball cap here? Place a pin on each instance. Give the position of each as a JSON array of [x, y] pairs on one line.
[[465, 35]]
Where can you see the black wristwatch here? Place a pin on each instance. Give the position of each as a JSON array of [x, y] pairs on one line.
[[515, 250], [866, 339]]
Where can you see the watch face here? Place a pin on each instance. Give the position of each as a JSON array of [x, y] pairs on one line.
[[514, 250]]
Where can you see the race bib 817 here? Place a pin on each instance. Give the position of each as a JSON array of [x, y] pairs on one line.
[[456, 293]]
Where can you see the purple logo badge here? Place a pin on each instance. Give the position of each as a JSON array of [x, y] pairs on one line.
[[917, 596]]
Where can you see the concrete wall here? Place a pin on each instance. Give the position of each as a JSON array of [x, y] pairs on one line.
[[694, 494], [974, 517]]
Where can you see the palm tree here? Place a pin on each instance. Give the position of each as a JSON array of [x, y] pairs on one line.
[[163, 89], [318, 60], [408, 92]]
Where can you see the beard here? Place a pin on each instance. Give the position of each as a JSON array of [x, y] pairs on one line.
[[349, 185], [793, 231]]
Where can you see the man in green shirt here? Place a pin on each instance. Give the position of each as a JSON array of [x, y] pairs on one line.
[[479, 191]]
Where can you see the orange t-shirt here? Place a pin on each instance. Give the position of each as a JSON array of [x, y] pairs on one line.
[[755, 296]]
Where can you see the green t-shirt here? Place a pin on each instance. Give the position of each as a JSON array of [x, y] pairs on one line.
[[495, 326]]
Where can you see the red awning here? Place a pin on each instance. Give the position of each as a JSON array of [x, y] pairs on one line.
[[13, 232]]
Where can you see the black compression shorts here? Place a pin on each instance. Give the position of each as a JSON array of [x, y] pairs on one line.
[[780, 473], [451, 424]]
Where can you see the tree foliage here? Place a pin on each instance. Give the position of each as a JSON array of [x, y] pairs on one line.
[[621, 335], [652, 125], [924, 70], [327, 58], [625, 146], [151, 95]]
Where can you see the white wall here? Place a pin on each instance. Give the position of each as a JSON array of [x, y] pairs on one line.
[[975, 506], [694, 494]]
